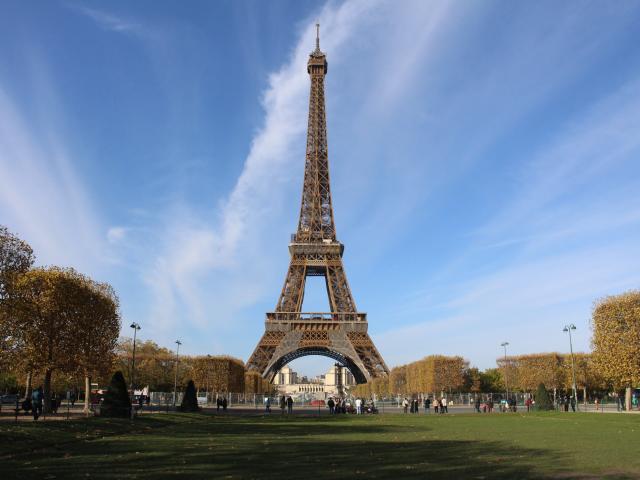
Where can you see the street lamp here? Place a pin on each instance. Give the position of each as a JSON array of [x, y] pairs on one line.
[[175, 381], [567, 329], [506, 384], [135, 327]]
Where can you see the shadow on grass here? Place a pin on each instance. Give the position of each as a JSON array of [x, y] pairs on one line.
[[211, 447]]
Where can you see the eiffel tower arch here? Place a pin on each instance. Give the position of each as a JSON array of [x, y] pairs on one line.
[[340, 334]]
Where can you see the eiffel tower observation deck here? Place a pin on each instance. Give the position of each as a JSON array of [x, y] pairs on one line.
[[340, 334]]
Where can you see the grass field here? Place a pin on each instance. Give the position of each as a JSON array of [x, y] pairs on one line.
[[467, 446]]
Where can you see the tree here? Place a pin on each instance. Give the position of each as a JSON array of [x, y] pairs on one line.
[[398, 380], [155, 365], [48, 306], [543, 402], [16, 257], [472, 380], [116, 401], [616, 339], [189, 400], [491, 381], [99, 326], [218, 373]]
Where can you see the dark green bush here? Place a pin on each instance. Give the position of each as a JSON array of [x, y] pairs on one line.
[[543, 401], [189, 400], [116, 401]]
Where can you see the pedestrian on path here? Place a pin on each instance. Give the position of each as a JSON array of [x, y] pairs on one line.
[[36, 401], [289, 404]]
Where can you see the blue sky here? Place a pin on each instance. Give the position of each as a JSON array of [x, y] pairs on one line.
[[484, 159]]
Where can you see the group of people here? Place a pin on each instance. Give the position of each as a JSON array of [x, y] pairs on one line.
[[440, 405], [221, 402], [563, 402], [337, 406], [285, 403]]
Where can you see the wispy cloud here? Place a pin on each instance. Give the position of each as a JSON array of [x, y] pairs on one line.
[[41, 197], [106, 20], [565, 237]]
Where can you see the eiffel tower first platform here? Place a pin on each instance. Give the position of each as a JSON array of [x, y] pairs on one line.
[[342, 333]]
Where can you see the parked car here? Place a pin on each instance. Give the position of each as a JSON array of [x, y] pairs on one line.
[[10, 398]]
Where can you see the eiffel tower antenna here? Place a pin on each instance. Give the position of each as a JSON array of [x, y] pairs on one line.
[[340, 334]]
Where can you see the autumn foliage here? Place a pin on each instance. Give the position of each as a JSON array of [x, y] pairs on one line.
[[616, 339]]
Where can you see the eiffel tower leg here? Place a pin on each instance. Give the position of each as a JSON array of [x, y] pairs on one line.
[[293, 289], [339, 292]]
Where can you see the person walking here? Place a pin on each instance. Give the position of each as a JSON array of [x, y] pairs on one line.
[[218, 403], [267, 405], [527, 403], [331, 404], [36, 402], [289, 404], [477, 404], [444, 405], [283, 404], [358, 406], [573, 403], [405, 405], [427, 405], [490, 405], [417, 406], [436, 405], [224, 404]]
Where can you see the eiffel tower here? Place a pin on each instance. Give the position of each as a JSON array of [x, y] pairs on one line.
[[342, 333]]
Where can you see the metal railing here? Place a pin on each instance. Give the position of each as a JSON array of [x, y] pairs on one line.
[[316, 316]]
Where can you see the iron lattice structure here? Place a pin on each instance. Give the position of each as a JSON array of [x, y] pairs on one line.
[[342, 333]]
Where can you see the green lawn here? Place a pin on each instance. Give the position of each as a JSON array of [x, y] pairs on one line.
[[466, 446]]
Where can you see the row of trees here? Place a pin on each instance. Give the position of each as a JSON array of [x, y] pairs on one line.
[[53, 320], [613, 365], [156, 369]]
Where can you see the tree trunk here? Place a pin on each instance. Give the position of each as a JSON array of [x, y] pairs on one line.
[[27, 390], [627, 399], [47, 391], [87, 393], [584, 396]]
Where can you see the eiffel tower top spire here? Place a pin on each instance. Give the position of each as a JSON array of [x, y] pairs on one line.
[[316, 223]]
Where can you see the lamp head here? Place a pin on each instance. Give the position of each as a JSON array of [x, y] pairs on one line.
[[135, 325], [565, 329]]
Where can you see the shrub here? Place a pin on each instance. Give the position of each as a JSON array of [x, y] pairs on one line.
[[189, 400], [116, 401], [543, 402]]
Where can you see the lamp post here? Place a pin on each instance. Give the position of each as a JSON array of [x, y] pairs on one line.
[[175, 381], [135, 327], [567, 329], [506, 384]]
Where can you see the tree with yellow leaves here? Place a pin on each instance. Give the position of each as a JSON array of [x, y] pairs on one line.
[[66, 321], [16, 257], [616, 339]]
